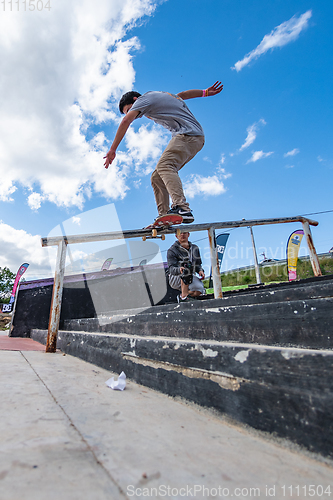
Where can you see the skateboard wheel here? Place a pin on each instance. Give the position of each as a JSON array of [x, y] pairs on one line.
[[154, 233], [163, 237], [144, 238]]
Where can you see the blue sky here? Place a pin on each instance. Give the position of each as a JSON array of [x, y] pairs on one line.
[[268, 150]]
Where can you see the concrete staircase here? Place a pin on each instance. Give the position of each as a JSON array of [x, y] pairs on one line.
[[262, 356]]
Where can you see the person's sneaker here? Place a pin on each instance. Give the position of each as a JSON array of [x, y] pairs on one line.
[[180, 299], [187, 216], [188, 298]]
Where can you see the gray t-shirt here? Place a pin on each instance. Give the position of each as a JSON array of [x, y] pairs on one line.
[[168, 110]]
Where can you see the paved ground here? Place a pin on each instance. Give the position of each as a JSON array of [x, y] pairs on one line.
[[65, 435], [19, 344]]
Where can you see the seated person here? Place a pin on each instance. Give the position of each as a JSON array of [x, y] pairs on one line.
[[184, 261]]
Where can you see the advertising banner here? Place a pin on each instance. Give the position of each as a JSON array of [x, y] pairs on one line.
[[293, 246], [20, 272], [107, 264], [221, 243]]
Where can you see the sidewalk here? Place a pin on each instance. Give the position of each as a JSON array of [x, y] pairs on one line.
[[65, 435], [18, 344]]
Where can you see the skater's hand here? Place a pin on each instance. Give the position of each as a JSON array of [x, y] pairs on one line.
[[202, 275], [215, 89], [109, 158]]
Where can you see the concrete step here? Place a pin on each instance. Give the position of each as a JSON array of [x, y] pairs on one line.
[[102, 296], [288, 323], [280, 390]]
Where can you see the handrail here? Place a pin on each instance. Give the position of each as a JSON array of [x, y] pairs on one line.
[[135, 233]]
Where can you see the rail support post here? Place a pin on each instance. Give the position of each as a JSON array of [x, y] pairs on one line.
[[256, 265], [51, 344], [214, 259], [313, 254]]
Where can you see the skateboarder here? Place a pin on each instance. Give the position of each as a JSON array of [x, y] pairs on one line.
[[170, 111], [179, 255]]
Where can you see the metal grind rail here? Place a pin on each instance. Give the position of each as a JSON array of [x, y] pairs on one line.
[[63, 241]]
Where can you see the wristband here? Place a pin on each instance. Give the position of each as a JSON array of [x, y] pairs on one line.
[[204, 93]]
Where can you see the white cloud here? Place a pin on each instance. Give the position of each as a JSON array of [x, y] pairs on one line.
[[6, 187], [222, 160], [258, 155], [204, 186], [293, 152], [207, 159], [222, 173], [34, 201], [61, 72], [144, 147], [281, 35], [252, 134], [76, 220], [18, 246]]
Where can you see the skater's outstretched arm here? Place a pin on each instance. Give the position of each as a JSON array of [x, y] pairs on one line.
[[122, 129], [191, 94]]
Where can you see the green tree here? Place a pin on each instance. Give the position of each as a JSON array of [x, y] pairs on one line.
[[7, 279]]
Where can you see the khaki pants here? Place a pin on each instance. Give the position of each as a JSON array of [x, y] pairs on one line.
[[165, 179]]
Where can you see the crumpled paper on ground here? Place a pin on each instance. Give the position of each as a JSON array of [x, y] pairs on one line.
[[117, 385]]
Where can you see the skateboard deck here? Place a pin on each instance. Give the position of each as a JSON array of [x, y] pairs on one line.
[[163, 222]]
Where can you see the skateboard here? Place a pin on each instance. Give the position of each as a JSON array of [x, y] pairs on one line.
[[163, 222]]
